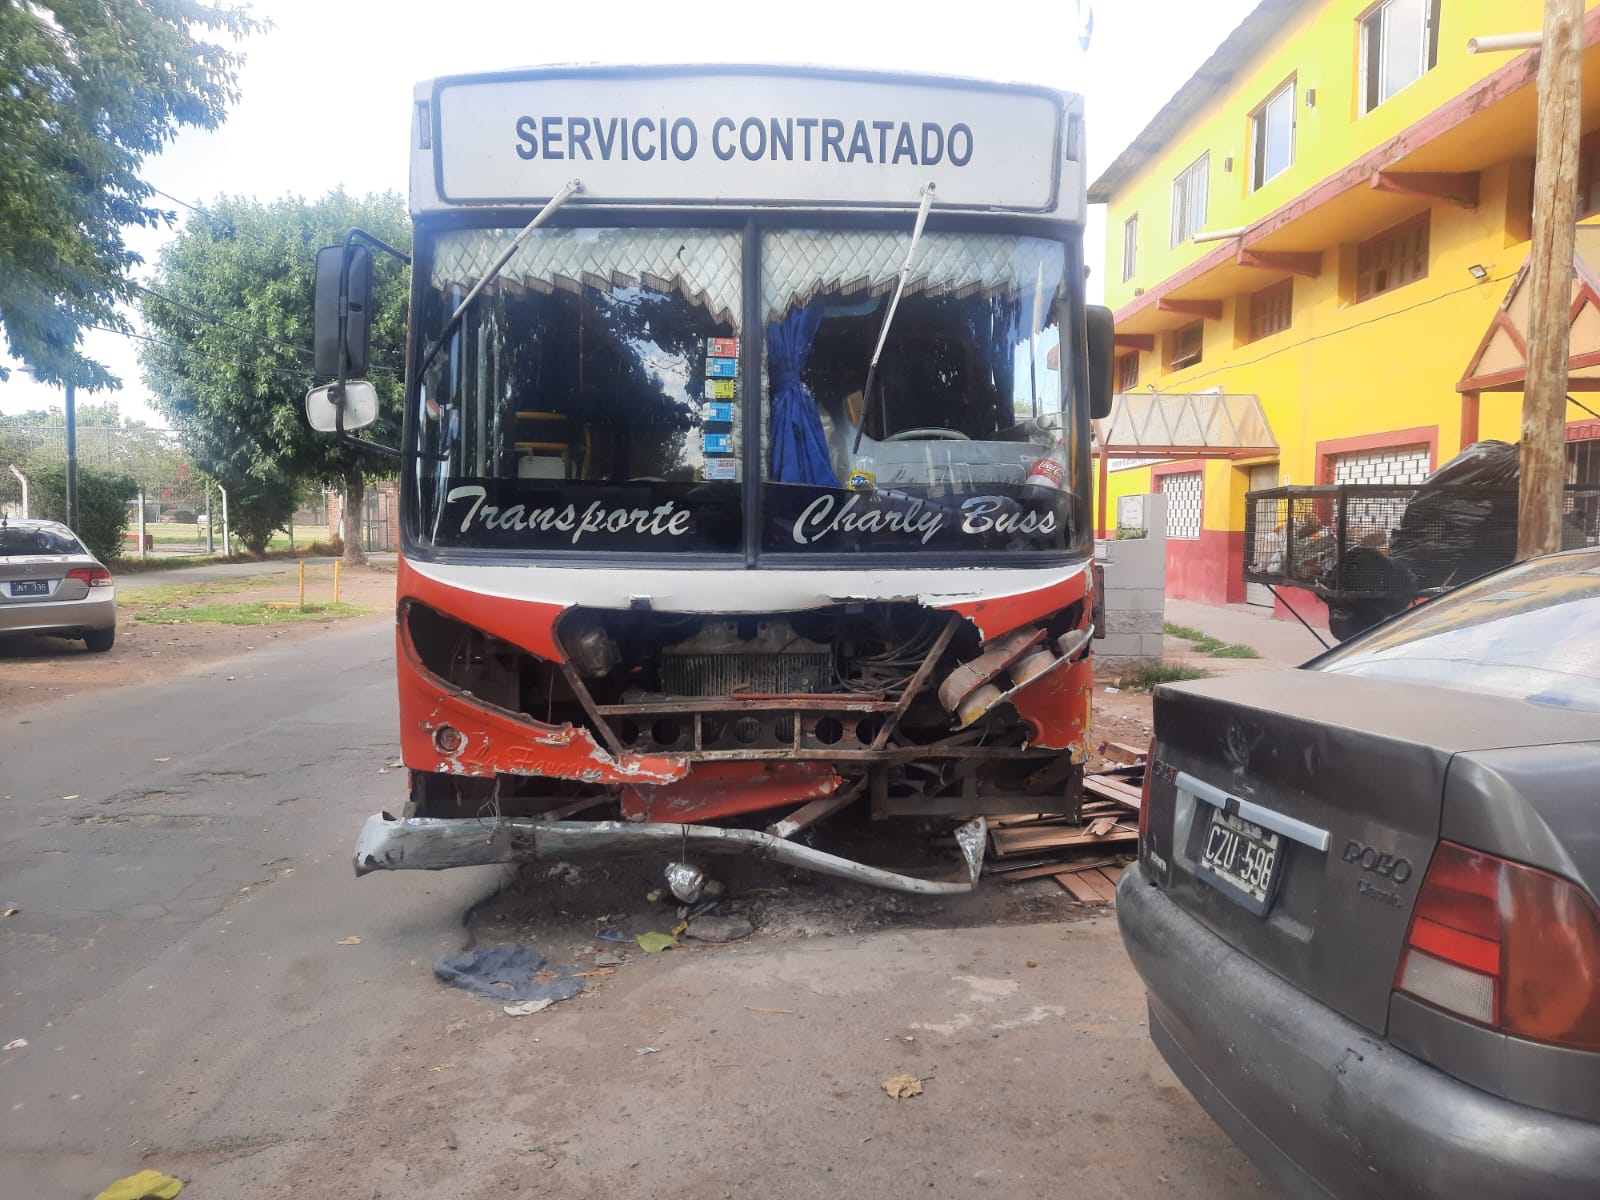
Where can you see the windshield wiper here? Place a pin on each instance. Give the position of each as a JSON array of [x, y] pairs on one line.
[[888, 317], [573, 187]]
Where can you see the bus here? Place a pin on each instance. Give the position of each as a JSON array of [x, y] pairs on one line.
[[745, 465]]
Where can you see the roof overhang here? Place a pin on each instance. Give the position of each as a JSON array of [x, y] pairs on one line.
[[1247, 40], [1500, 363], [1436, 160], [1186, 425]]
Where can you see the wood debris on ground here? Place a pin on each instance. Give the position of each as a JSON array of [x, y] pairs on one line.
[[1084, 857]]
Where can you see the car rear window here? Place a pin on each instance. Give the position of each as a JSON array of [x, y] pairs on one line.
[[1530, 632], [17, 542]]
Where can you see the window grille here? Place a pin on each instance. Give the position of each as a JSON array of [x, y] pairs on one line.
[[1183, 493]]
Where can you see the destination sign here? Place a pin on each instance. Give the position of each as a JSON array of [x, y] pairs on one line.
[[726, 137]]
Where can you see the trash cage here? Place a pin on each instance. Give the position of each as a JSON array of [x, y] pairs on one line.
[[1386, 542]]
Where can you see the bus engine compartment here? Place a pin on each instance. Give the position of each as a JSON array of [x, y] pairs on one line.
[[739, 726]]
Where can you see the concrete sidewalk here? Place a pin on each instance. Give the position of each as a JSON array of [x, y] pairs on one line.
[[1280, 643]]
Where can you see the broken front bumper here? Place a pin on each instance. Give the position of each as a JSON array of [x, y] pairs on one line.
[[431, 844]]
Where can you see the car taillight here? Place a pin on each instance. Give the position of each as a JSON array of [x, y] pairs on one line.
[[93, 576], [1507, 946]]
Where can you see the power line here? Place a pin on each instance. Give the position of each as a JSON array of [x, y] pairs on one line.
[[215, 320], [228, 226], [254, 335]]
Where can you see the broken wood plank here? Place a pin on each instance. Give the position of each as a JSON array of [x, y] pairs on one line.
[[1023, 841], [1059, 867], [1124, 794], [1101, 826], [810, 814], [1080, 888], [1126, 751]]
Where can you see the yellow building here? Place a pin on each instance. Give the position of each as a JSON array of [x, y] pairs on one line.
[[1327, 217]]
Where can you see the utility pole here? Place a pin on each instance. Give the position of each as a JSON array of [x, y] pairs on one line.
[[72, 457], [1555, 207]]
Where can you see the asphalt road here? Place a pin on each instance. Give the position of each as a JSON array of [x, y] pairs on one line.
[[179, 853]]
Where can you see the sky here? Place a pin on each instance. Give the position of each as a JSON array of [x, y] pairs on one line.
[[326, 93]]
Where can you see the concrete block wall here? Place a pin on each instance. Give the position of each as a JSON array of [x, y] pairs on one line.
[[1136, 587]]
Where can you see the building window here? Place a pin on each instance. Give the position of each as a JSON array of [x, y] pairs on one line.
[[1130, 246], [1183, 493], [1128, 372], [1392, 464], [1272, 136], [1399, 44], [1392, 259], [1271, 310], [1189, 200], [1187, 345]]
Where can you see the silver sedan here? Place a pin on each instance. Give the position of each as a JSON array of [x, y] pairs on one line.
[[49, 583]]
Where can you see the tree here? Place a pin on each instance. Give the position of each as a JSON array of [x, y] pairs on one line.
[[86, 92], [102, 505], [231, 363]]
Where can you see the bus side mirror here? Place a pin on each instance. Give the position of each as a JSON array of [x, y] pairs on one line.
[[1102, 336], [342, 315], [358, 399]]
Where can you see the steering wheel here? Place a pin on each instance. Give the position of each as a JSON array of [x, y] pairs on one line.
[[930, 434]]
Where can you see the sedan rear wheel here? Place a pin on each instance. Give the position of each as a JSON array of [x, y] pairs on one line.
[[99, 640]]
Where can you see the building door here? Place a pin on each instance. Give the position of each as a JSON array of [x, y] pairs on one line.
[[1262, 477]]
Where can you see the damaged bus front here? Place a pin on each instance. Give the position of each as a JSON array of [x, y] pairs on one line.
[[745, 465]]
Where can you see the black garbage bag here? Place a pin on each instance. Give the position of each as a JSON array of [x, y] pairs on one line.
[[1462, 521]]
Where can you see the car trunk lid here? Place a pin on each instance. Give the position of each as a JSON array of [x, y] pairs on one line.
[[1346, 776], [21, 574]]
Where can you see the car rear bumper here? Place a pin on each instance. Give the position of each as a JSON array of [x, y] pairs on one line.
[[49, 616], [1323, 1106]]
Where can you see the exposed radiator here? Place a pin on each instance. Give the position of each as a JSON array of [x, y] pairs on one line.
[[732, 674], [774, 662]]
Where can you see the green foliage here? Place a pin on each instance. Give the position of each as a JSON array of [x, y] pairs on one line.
[[1131, 533], [90, 90], [1235, 650], [1206, 644], [258, 612], [1148, 678], [102, 505], [257, 507], [107, 441], [235, 384]]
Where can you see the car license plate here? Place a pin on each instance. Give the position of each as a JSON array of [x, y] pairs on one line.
[[30, 587], [1242, 860]]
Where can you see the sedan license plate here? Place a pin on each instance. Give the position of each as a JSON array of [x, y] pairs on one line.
[[30, 587], [1242, 860]]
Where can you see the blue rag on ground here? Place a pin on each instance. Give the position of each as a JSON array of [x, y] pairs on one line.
[[507, 973]]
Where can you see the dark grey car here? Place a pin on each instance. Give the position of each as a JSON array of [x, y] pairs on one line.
[[1364, 907]]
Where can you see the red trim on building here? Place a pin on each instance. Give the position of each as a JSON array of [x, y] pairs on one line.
[[1187, 467], [1583, 431], [1423, 435], [1208, 569]]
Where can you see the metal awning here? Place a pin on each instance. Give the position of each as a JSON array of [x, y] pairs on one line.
[[1185, 425]]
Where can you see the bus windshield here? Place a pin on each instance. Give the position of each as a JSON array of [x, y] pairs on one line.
[[592, 397]]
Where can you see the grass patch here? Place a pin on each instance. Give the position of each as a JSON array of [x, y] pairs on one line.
[[1204, 643], [169, 594], [1235, 650], [1146, 678], [257, 612]]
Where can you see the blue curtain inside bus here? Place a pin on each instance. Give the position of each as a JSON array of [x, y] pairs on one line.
[[799, 448]]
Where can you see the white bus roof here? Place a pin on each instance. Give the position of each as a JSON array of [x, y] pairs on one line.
[[808, 138]]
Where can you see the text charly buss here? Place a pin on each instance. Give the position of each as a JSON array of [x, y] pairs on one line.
[[778, 139]]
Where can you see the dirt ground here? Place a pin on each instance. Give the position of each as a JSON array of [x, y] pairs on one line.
[[35, 670]]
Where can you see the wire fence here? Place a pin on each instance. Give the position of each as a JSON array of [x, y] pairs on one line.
[[182, 507]]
